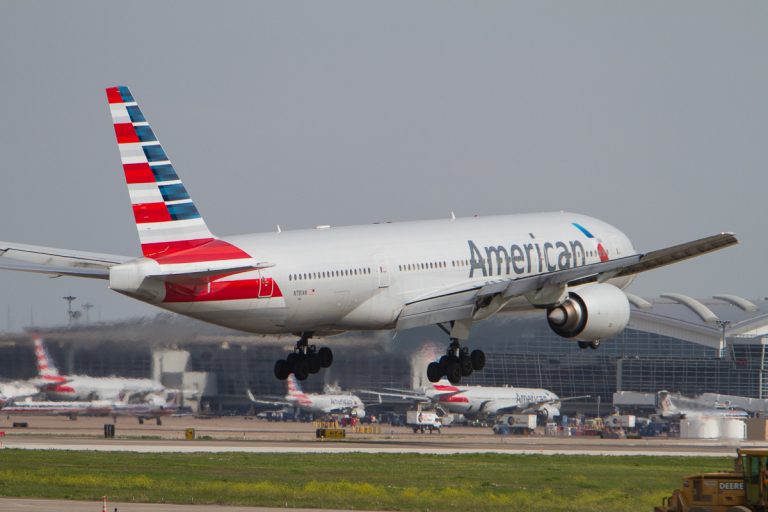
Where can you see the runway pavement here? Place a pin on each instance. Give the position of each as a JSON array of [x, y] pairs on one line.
[[237, 434]]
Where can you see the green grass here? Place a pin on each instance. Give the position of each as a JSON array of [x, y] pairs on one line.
[[361, 481]]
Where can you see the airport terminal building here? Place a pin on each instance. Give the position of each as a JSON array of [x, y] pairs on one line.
[[672, 343]]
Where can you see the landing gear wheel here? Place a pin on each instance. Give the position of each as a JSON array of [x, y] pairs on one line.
[[313, 363], [583, 345], [326, 357], [434, 372], [594, 344], [443, 364], [282, 369], [453, 372], [478, 360], [300, 370], [465, 363]]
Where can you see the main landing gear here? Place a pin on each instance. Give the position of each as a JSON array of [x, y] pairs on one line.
[[304, 360], [457, 362], [583, 345]]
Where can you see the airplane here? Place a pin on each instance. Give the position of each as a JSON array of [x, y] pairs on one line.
[[83, 387], [151, 406], [72, 409], [313, 403], [686, 408], [324, 281], [16, 390], [484, 401]]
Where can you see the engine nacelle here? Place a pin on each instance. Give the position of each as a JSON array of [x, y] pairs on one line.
[[591, 313], [548, 413], [358, 413]]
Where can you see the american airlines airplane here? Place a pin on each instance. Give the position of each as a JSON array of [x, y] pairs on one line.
[[326, 403], [484, 401], [679, 407], [83, 387], [317, 282]]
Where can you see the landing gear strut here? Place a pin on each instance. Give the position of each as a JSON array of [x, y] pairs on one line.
[[457, 362], [304, 360]]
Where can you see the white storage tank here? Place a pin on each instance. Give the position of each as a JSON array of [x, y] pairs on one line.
[[733, 428], [700, 428]]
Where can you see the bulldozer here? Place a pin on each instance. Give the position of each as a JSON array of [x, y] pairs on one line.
[[745, 489]]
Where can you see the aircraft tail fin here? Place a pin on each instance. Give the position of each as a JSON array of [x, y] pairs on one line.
[[665, 403], [45, 366], [166, 217], [294, 388]]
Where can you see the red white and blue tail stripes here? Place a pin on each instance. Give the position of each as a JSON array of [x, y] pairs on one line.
[[171, 230], [166, 217]]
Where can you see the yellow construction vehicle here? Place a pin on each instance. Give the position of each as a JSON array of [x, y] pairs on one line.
[[745, 489]]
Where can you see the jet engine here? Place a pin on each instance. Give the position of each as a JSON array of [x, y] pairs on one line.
[[590, 313], [358, 413], [545, 414]]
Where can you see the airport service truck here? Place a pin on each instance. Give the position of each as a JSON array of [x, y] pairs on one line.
[[423, 421], [524, 424]]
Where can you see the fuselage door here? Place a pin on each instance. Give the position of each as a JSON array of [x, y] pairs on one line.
[[266, 286], [382, 270]]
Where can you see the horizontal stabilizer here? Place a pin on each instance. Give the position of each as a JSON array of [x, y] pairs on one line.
[[57, 262], [40, 255], [95, 273]]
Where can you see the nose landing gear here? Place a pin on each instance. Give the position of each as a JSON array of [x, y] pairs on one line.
[[305, 359]]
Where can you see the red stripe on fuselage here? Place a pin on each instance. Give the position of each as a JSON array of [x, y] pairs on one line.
[[150, 212], [138, 173], [221, 290]]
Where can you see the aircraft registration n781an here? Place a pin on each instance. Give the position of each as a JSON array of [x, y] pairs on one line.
[[317, 282]]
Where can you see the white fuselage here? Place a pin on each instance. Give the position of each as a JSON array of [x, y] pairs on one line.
[[326, 404], [474, 400], [83, 387], [329, 280]]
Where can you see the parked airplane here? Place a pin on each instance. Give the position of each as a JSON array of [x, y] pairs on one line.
[[16, 390], [72, 409], [320, 404], [83, 387], [679, 407], [153, 406], [323, 281], [484, 401]]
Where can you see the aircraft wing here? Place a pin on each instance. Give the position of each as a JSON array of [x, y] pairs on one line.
[[404, 395], [58, 262], [277, 402], [462, 302]]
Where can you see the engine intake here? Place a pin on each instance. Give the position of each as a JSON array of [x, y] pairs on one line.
[[591, 313]]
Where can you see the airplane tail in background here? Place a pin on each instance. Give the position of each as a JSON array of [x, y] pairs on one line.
[[665, 404], [166, 218], [294, 389], [45, 366]]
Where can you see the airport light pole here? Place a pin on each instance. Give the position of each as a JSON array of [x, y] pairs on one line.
[[723, 326], [69, 299], [87, 308]]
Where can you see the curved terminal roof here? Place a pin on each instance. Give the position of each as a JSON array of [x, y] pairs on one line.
[[694, 305], [702, 321]]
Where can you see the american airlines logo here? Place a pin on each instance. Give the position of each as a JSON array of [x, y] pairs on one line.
[[525, 258]]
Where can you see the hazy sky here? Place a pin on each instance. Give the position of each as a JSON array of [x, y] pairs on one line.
[[650, 115]]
